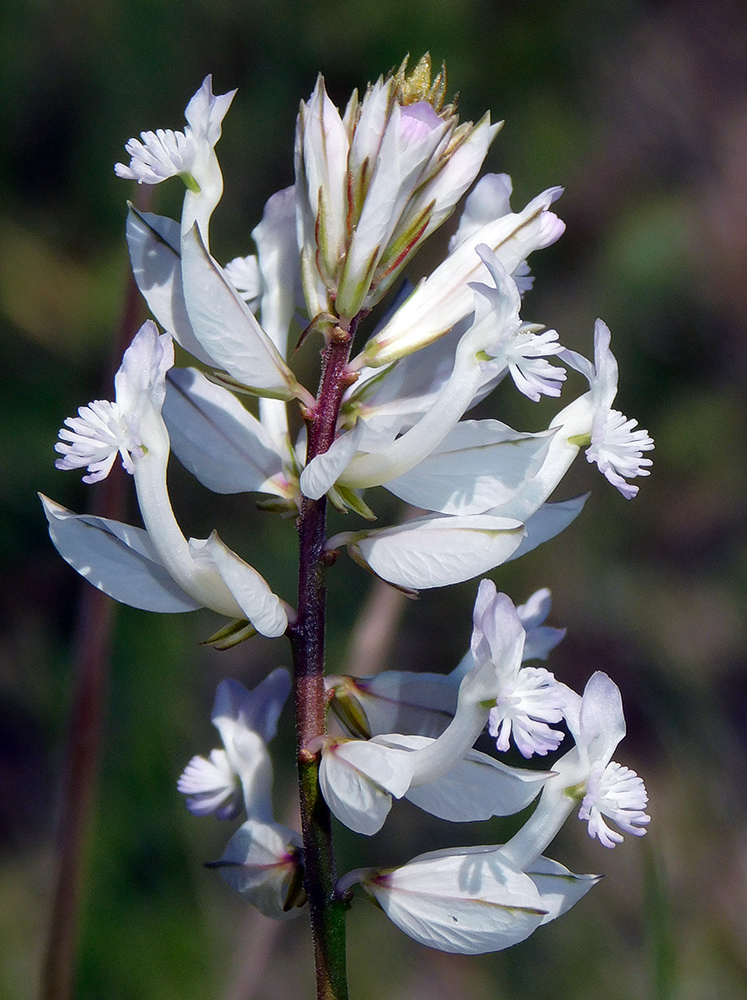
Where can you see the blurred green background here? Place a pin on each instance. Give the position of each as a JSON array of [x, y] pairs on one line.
[[640, 111]]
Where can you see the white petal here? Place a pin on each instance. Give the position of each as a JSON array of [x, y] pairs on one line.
[[117, 558], [360, 805], [540, 641], [601, 722], [243, 273], [323, 471], [446, 296], [398, 701], [263, 608], [206, 111], [479, 465], [604, 383], [497, 641], [278, 259], [391, 768], [358, 779], [218, 440], [261, 862], [436, 551], [476, 788], [321, 175], [250, 759], [154, 243], [534, 612], [141, 379], [226, 327], [558, 887], [467, 902], [541, 638], [488, 200], [257, 710], [547, 522]]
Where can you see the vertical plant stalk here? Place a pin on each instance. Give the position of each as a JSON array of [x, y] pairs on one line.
[[327, 912], [91, 642], [79, 781]]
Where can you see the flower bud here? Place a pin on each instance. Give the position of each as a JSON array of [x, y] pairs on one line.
[[372, 185]]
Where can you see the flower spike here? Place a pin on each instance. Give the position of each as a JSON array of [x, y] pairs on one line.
[[372, 183]]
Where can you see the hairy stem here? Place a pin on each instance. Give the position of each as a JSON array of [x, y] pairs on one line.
[[327, 912]]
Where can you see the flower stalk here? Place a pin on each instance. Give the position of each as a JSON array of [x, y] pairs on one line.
[[327, 911]]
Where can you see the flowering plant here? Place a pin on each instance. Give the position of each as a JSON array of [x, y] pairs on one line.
[[391, 409]]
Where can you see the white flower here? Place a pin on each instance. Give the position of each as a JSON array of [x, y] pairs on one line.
[[128, 563], [211, 786], [240, 773], [471, 900], [586, 774], [497, 314], [262, 859], [194, 298], [359, 777], [466, 901], [424, 703], [611, 789], [262, 862], [189, 154], [528, 698], [614, 444], [102, 429], [492, 344]]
